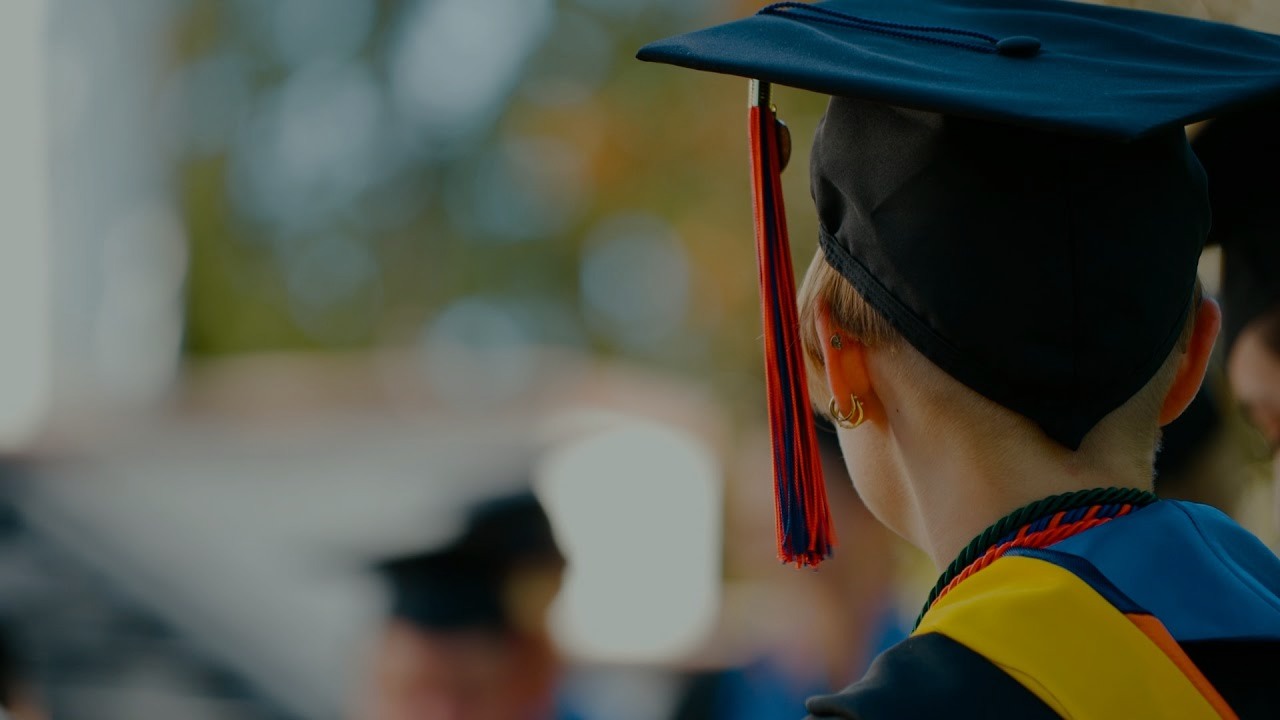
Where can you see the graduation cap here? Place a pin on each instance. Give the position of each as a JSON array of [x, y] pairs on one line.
[[1240, 153], [505, 560], [1007, 181]]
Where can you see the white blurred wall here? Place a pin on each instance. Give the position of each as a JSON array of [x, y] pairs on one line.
[[24, 223], [118, 255]]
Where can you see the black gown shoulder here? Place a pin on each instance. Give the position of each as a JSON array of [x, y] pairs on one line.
[[931, 675]]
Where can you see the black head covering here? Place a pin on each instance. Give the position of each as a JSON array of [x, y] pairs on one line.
[[1240, 153], [1051, 273], [1008, 182], [467, 584]]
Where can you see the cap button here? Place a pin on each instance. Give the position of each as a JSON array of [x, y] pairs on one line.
[[1018, 46]]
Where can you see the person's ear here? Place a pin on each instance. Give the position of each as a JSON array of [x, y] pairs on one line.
[[1194, 363], [844, 359]]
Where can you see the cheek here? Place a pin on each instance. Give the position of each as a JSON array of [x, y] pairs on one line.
[[1254, 373], [875, 477], [1267, 420]]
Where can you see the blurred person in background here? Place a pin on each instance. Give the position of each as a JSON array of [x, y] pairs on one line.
[[1197, 459], [467, 637], [853, 617], [18, 699], [1239, 153]]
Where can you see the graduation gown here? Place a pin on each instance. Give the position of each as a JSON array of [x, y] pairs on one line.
[[1171, 611]]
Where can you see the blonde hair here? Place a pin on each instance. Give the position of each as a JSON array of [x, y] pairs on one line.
[[1131, 428]]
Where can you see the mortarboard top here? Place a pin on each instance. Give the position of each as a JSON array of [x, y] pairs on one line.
[[1093, 70], [1240, 153], [1007, 181], [468, 583]]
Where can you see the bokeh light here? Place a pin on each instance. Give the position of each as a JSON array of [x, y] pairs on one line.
[[453, 62], [638, 510], [635, 281]]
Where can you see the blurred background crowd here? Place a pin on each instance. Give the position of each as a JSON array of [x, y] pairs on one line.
[[399, 359]]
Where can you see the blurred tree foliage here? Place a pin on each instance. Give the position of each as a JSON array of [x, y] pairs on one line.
[[375, 263]]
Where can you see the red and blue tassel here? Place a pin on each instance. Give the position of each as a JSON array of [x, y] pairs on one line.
[[805, 533]]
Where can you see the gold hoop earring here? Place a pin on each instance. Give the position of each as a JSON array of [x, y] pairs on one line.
[[853, 419]]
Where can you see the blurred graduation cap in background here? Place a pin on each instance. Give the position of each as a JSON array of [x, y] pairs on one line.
[[499, 574], [1009, 183], [1240, 153]]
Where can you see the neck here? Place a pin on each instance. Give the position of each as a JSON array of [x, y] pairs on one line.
[[961, 483]]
